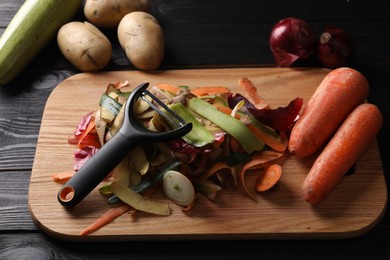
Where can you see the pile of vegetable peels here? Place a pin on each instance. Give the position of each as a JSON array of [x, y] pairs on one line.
[[232, 134]]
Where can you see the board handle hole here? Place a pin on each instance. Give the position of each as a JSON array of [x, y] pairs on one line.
[[66, 194]]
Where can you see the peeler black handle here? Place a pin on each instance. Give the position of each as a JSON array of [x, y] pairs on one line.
[[131, 134], [96, 169]]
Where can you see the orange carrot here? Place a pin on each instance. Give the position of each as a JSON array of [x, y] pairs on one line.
[[63, 176], [168, 87], [210, 90], [354, 136], [106, 218], [268, 179], [338, 94], [250, 93], [257, 162], [121, 84], [226, 110], [268, 139]]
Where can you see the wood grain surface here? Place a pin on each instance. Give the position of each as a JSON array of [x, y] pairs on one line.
[[199, 34], [352, 209]]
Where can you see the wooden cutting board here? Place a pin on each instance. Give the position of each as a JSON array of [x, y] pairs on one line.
[[352, 209]]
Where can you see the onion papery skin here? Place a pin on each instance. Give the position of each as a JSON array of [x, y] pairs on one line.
[[292, 39], [335, 48]]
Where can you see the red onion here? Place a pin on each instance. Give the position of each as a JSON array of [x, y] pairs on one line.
[[291, 39], [335, 48]]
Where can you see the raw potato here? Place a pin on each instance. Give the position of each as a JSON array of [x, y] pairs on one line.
[[84, 45], [108, 14], [142, 38]]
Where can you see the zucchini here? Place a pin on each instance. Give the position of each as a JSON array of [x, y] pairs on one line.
[[32, 27]]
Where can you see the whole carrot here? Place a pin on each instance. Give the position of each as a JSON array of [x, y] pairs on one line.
[[337, 95], [354, 136]]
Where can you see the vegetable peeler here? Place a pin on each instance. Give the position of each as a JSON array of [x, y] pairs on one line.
[[131, 134]]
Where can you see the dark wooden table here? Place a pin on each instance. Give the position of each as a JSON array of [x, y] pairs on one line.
[[199, 34]]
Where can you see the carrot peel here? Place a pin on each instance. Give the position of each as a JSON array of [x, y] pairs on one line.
[[250, 92], [210, 90], [269, 177], [107, 217], [267, 139], [258, 161], [168, 87], [62, 176]]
